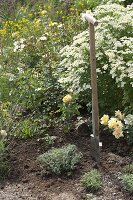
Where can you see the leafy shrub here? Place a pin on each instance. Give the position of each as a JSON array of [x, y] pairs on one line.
[[114, 60], [127, 181], [28, 53], [59, 160], [26, 128], [86, 4], [92, 180]]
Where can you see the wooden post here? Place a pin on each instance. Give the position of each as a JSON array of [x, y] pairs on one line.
[[95, 144], [95, 112]]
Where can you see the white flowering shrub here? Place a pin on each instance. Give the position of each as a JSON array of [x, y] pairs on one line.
[[114, 44]]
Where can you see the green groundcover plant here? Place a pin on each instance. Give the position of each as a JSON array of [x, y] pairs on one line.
[[127, 181], [128, 169], [127, 177], [92, 180], [60, 160]]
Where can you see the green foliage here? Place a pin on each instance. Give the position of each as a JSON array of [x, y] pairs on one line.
[[3, 162], [127, 181], [60, 160], [114, 58], [29, 54], [47, 139], [26, 128], [92, 180], [86, 4], [128, 169], [129, 128], [5, 117], [68, 110], [127, 178]]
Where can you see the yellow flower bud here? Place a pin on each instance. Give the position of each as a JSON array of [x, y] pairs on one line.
[[105, 119]]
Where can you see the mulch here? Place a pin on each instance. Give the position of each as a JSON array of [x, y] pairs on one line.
[[26, 181]]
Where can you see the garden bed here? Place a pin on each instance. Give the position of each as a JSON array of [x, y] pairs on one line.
[[25, 179]]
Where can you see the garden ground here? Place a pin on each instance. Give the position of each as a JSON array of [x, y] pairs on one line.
[[26, 181]]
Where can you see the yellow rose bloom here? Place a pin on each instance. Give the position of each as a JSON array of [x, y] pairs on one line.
[[3, 133], [119, 124], [105, 119], [112, 123], [118, 132], [67, 98], [119, 115]]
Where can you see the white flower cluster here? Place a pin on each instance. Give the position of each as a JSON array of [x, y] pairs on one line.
[[114, 50], [73, 60], [19, 45], [129, 120], [43, 38]]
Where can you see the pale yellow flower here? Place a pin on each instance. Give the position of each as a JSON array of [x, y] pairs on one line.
[[43, 12], [3, 133], [105, 119], [112, 123], [119, 115], [52, 24], [119, 124], [118, 132], [15, 34], [67, 98], [37, 22]]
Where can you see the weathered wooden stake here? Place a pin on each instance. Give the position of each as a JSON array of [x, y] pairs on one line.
[[95, 144]]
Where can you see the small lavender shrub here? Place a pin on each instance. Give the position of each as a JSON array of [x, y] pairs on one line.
[[59, 160]]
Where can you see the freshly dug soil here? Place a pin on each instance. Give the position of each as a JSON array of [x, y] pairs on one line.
[[25, 180]]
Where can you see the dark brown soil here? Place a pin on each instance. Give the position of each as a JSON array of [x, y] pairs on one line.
[[25, 180]]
